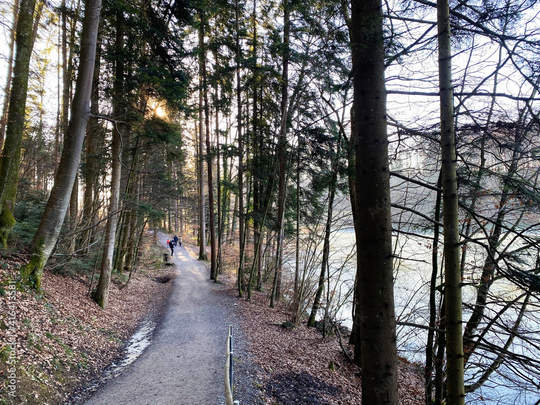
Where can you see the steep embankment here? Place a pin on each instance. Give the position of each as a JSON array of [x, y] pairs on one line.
[[62, 338]]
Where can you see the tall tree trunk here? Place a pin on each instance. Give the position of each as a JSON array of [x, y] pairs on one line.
[[202, 202], [132, 239], [225, 200], [7, 88], [454, 338], [241, 236], [101, 294], [209, 159], [122, 235], [219, 231], [68, 43], [282, 149], [128, 248], [11, 153], [57, 205], [257, 181], [374, 243], [297, 293], [91, 172]]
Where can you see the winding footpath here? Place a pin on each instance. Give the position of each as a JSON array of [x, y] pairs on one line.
[[184, 365]]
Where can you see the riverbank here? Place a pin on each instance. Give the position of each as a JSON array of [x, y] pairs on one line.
[[296, 365]]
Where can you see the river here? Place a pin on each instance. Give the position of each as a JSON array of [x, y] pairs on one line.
[[413, 268]]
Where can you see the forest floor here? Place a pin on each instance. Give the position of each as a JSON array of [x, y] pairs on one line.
[[298, 366], [65, 341]]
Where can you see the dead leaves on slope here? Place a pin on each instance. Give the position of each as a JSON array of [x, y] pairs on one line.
[[62, 337], [298, 366]]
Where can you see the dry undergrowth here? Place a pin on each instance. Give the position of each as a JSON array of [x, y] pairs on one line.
[[296, 365], [63, 338]]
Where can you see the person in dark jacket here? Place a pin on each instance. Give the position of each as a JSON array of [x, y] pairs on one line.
[[171, 245], [175, 240]]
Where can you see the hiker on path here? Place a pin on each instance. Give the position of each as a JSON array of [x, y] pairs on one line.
[[175, 240], [180, 241], [171, 245]]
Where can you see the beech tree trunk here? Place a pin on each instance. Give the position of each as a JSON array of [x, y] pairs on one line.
[[374, 231], [452, 288], [57, 205]]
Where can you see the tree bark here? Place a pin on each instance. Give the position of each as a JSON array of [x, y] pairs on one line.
[[219, 195], [296, 292], [127, 246], [438, 381], [374, 243], [57, 205], [131, 247], [73, 214], [453, 309]]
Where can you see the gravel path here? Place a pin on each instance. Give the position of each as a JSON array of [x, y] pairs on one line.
[[184, 365]]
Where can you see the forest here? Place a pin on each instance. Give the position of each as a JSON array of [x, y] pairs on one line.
[[372, 164]]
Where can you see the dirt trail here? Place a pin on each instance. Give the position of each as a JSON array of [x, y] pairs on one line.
[[184, 365]]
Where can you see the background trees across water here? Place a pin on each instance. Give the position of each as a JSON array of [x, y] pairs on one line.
[[262, 131]]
